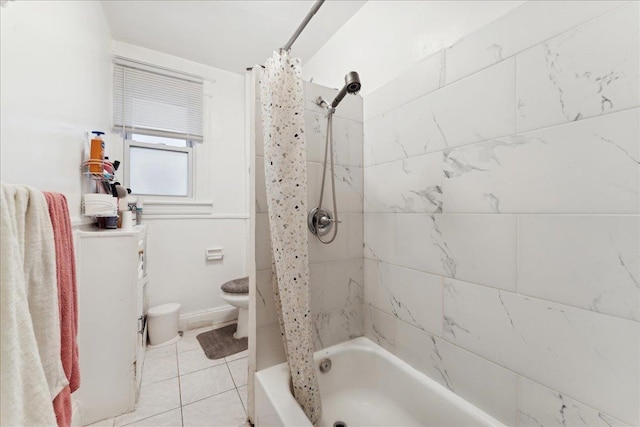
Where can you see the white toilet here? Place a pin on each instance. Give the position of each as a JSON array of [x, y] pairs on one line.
[[236, 293]]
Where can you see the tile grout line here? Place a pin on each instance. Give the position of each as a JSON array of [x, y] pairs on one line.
[[179, 386]]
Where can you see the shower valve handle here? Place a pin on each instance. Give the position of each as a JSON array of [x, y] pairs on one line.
[[324, 220]]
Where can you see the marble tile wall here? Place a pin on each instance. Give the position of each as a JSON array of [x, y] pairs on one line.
[[502, 215], [336, 269]]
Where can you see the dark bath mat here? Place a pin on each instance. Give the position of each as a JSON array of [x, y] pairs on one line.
[[220, 343]]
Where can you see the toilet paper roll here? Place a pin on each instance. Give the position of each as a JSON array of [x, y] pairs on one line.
[[127, 220]]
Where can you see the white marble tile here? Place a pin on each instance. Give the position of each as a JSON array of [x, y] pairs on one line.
[[222, 410], [589, 166], [375, 294], [476, 248], [347, 137], [585, 72], [265, 305], [349, 188], [159, 369], [155, 353], [204, 383], [409, 295], [348, 183], [350, 107], [591, 262], [343, 284], [337, 326], [589, 356], [541, 406], [239, 371], [380, 237], [474, 109], [154, 399], [316, 288], [409, 185], [103, 423], [519, 29], [354, 224], [420, 79], [269, 348], [486, 385], [171, 418], [406, 131], [380, 328], [194, 360], [263, 242], [261, 191]]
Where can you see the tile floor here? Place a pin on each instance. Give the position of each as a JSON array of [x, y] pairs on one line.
[[181, 387]]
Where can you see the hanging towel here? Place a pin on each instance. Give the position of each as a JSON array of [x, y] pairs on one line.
[[25, 394], [67, 303]]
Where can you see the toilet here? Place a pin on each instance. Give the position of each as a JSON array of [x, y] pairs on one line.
[[163, 324], [236, 293]]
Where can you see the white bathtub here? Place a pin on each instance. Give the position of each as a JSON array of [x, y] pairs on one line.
[[366, 386]]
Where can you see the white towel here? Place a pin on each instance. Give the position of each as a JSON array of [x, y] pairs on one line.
[[32, 372]]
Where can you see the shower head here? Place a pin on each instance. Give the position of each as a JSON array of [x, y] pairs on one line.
[[352, 82], [352, 85]]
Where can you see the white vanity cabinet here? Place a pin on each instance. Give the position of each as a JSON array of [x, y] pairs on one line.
[[111, 326]]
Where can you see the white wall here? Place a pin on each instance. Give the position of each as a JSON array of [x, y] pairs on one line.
[[178, 269], [384, 38], [55, 86], [502, 226]]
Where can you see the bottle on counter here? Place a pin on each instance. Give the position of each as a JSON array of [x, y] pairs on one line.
[[96, 153]]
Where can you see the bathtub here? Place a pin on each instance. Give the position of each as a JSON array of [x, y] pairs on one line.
[[366, 386]]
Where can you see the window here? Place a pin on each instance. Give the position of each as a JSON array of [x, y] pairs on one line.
[[159, 166], [160, 115]]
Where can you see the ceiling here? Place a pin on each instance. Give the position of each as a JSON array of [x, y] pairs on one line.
[[230, 35]]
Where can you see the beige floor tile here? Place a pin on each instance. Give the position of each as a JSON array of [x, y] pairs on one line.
[[242, 391], [222, 410], [205, 383], [237, 356], [194, 360], [159, 369], [239, 371], [164, 351], [103, 423], [154, 399]]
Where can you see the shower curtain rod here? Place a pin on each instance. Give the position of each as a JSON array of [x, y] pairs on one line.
[[303, 24], [300, 28]]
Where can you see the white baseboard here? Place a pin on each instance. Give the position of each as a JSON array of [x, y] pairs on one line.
[[211, 317]]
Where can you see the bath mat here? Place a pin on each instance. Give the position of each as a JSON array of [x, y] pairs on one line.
[[220, 343]]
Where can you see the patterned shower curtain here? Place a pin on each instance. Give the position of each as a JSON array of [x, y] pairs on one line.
[[286, 182]]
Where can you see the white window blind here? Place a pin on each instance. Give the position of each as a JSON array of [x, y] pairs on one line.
[[157, 102]]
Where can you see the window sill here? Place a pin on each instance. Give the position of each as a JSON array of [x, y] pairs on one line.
[[163, 208], [184, 209]]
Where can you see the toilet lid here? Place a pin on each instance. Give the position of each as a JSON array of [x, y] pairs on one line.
[[236, 286]]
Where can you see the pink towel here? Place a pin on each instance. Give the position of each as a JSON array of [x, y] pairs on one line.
[[67, 303]]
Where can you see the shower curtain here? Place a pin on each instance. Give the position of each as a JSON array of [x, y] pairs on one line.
[[286, 182]]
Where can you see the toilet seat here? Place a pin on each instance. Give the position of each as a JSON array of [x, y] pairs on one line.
[[240, 300]]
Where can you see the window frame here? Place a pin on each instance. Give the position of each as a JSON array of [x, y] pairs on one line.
[[189, 150]]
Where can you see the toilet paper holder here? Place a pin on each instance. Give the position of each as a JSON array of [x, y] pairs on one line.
[[214, 254]]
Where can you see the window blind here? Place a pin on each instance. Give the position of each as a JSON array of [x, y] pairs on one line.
[[157, 102]]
